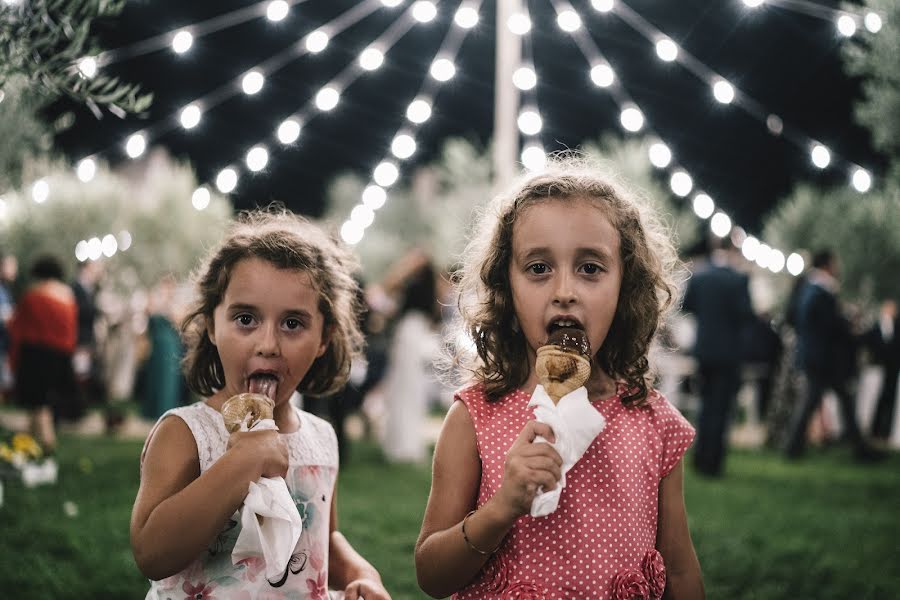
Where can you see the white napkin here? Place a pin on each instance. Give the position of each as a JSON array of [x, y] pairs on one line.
[[270, 522], [575, 423]]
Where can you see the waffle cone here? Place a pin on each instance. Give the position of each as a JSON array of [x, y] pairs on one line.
[[246, 408], [561, 372]]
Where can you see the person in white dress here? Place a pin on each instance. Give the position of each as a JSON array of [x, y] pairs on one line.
[[410, 383]]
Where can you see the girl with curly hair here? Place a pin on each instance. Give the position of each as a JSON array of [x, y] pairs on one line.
[[568, 248], [276, 313]]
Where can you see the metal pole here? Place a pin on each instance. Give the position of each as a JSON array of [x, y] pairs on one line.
[[506, 96]]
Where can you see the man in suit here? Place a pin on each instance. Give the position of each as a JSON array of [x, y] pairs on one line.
[[825, 354], [883, 341], [719, 298]]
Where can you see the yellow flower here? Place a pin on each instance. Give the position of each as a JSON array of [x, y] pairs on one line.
[[6, 453], [24, 443]]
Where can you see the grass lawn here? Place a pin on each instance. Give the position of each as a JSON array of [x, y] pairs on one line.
[[822, 528]]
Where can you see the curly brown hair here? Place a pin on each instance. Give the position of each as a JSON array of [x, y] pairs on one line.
[[649, 261], [288, 242]]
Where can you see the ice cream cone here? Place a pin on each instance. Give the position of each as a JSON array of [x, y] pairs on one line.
[[563, 364], [246, 409]]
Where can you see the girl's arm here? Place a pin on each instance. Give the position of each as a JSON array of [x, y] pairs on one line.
[[445, 562], [673, 540], [178, 512], [349, 571]]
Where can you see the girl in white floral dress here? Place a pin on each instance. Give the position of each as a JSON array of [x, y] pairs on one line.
[[276, 312]]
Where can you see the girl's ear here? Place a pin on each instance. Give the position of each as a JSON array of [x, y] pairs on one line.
[[326, 340], [211, 331]]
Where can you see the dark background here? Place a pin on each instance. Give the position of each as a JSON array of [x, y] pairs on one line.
[[787, 61]]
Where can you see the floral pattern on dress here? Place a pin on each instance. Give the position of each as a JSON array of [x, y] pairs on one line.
[[213, 576]]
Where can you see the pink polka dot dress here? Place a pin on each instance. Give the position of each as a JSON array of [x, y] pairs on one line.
[[601, 539]]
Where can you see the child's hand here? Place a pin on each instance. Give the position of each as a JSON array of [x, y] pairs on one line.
[[365, 589], [267, 445], [529, 467]]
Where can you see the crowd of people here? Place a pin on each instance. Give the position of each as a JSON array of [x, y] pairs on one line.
[[278, 307]]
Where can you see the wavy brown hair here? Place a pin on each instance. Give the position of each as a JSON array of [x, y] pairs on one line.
[[288, 242], [649, 261]]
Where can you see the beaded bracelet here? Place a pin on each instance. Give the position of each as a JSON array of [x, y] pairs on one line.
[[469, 542]]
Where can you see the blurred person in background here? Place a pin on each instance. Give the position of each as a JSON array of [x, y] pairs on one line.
[[44, 333], [9, 269], [719, 297], [163, 386], [410, 382], [883, 341], [826, 353], [86, 364]]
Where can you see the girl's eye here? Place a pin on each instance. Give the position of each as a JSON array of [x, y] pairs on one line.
[[245, 320], [292, 324], [538, 268], [591, 268]]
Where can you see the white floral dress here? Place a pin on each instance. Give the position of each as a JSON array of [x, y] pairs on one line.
[[310, 479]]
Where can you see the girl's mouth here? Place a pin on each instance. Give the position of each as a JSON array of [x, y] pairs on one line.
[[263, 383]]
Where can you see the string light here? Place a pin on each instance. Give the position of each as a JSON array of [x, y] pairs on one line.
[[524, 78], [632, 119], [873, 22], [386, 174], [86, 170], [820, 155], [371, 59], [226, 180], [288, 131], [602, 6], [87, 67], [534, 158], [846, 25], [861, 180], [182, 42], [135, 145], [466, 17], [109, 245], [753, 3], [720, 224], [681, 183], [602, 75], [392, 3], [443, 69], [403, 146], [750, 247], [317, 41], [660, 155], [419, 111], [529, 121], [40, 191], [200, 198], [374, 196], [763, 255], [252, 82], [795, 264], [257, 158], [776, 261], [568, 20], [327, 98], [666, 50], [190, 116], [424, 11], [723, 91], [703, 205], [277, 10], [519, 24]]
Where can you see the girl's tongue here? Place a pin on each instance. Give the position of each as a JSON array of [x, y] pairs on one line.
[[267, 385]]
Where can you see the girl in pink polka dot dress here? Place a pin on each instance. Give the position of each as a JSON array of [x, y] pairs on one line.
[[565, 248]]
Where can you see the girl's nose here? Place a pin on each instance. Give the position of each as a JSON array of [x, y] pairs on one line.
[[267, 344], [565, 291]]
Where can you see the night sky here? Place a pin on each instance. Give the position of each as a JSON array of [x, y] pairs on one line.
[[789, 62]]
